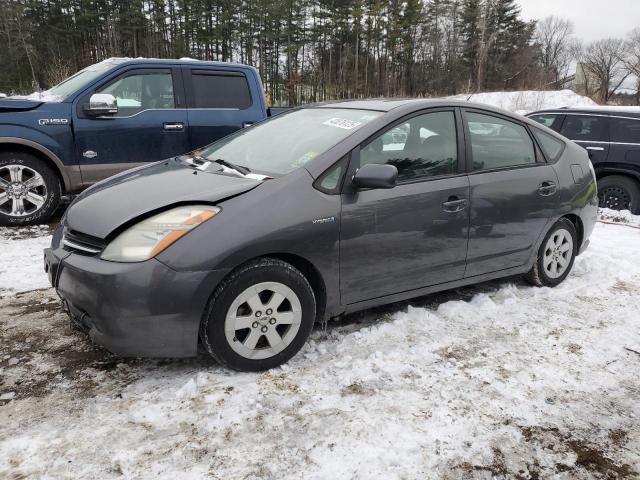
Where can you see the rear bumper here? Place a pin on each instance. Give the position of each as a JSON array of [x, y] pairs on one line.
[[140, 309]]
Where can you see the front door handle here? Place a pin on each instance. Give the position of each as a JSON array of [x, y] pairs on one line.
[[173, 127], [547, 188], [596, 149], [454, 204]]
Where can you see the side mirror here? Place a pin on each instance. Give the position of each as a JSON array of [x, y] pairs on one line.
[[376, 176], [101, 104]]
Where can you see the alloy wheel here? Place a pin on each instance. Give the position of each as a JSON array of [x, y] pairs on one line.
[[557, 253], [263, 320], [22, 190]]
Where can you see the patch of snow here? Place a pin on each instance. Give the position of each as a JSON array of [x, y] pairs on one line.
[[43, 96], [7, 396], [21, 258], [527, 101], [500, 379], [618, 216]]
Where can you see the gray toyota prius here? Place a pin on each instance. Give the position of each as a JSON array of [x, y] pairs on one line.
[[324, 210]]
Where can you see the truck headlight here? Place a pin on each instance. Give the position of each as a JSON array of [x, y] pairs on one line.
[[151, 236]]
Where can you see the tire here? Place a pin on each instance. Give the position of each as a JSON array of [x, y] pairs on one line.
[[619, 193], [21, 204], [237, 317], [552, 251]]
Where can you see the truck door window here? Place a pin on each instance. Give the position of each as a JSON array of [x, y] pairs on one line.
[[142, 91], [219, 90], [585, 128]]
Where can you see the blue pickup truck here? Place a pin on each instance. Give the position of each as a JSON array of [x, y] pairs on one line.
[[112, 116]]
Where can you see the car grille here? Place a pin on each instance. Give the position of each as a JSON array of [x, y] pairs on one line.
[[82, 244]]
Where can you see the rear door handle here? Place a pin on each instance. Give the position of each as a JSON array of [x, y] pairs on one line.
[[454, 204], [547, 188], [173, 127]]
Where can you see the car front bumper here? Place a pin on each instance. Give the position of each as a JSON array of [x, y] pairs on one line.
[[143, 309]]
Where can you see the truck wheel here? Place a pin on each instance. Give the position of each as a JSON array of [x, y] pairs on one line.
[[259, 317], [556, 255], [29, 189], [619, 193]]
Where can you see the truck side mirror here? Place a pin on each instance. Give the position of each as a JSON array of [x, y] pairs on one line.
[[375, 175], [101, 104]]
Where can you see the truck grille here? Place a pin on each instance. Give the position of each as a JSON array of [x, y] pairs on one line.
[[82, 244]]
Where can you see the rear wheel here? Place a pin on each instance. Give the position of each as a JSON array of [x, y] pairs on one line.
[[556, 255], [259, 317], [619, 193], [29, 189]]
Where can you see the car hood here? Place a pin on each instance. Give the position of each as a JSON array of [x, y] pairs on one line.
[[120, 200], [14, 104]]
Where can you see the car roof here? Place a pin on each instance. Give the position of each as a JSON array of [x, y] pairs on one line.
[[389, 104], [633, 112], [119, 61]]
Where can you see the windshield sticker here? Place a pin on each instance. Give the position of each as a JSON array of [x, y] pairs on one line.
[[342, 123], [305, 158]]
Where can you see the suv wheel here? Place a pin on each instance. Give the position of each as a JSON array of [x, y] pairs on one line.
[[556, 255], [259, 317], [29, 189], [619, 193]]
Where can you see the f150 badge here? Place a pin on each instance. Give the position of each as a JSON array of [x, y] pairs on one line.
[[53, 121], [89, 154]]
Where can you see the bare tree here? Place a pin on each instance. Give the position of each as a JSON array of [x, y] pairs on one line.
[[631, 58], [602, 60], [554, 37], [631, 55]]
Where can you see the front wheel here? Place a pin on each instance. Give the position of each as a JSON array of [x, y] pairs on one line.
[[259, 317], [29, 189], [556, 255]]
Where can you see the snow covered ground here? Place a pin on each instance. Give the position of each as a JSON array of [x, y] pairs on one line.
[[496, 380], [524, 102]]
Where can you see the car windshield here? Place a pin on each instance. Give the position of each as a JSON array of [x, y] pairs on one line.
[[288, 141], [82, 78]]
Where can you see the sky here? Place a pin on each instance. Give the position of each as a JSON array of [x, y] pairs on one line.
[[592, 19]]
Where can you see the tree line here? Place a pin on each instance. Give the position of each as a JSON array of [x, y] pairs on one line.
[[310, 50]]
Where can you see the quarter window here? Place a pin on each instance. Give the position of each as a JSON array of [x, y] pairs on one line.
[[220, 90], [625, 130], [551, 146], [425, 146], [585, 128], [142, 91], [498, 143]]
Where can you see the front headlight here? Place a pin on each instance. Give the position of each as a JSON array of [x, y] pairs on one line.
[[148, 238]]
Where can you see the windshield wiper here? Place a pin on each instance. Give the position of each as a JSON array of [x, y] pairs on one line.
[[237, 168]]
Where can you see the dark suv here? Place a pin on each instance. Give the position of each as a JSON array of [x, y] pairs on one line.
[[612, 137]]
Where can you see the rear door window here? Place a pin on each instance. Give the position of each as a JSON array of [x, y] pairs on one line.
[[625, 130], [217, 89], [498, 143], [585, 128]]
